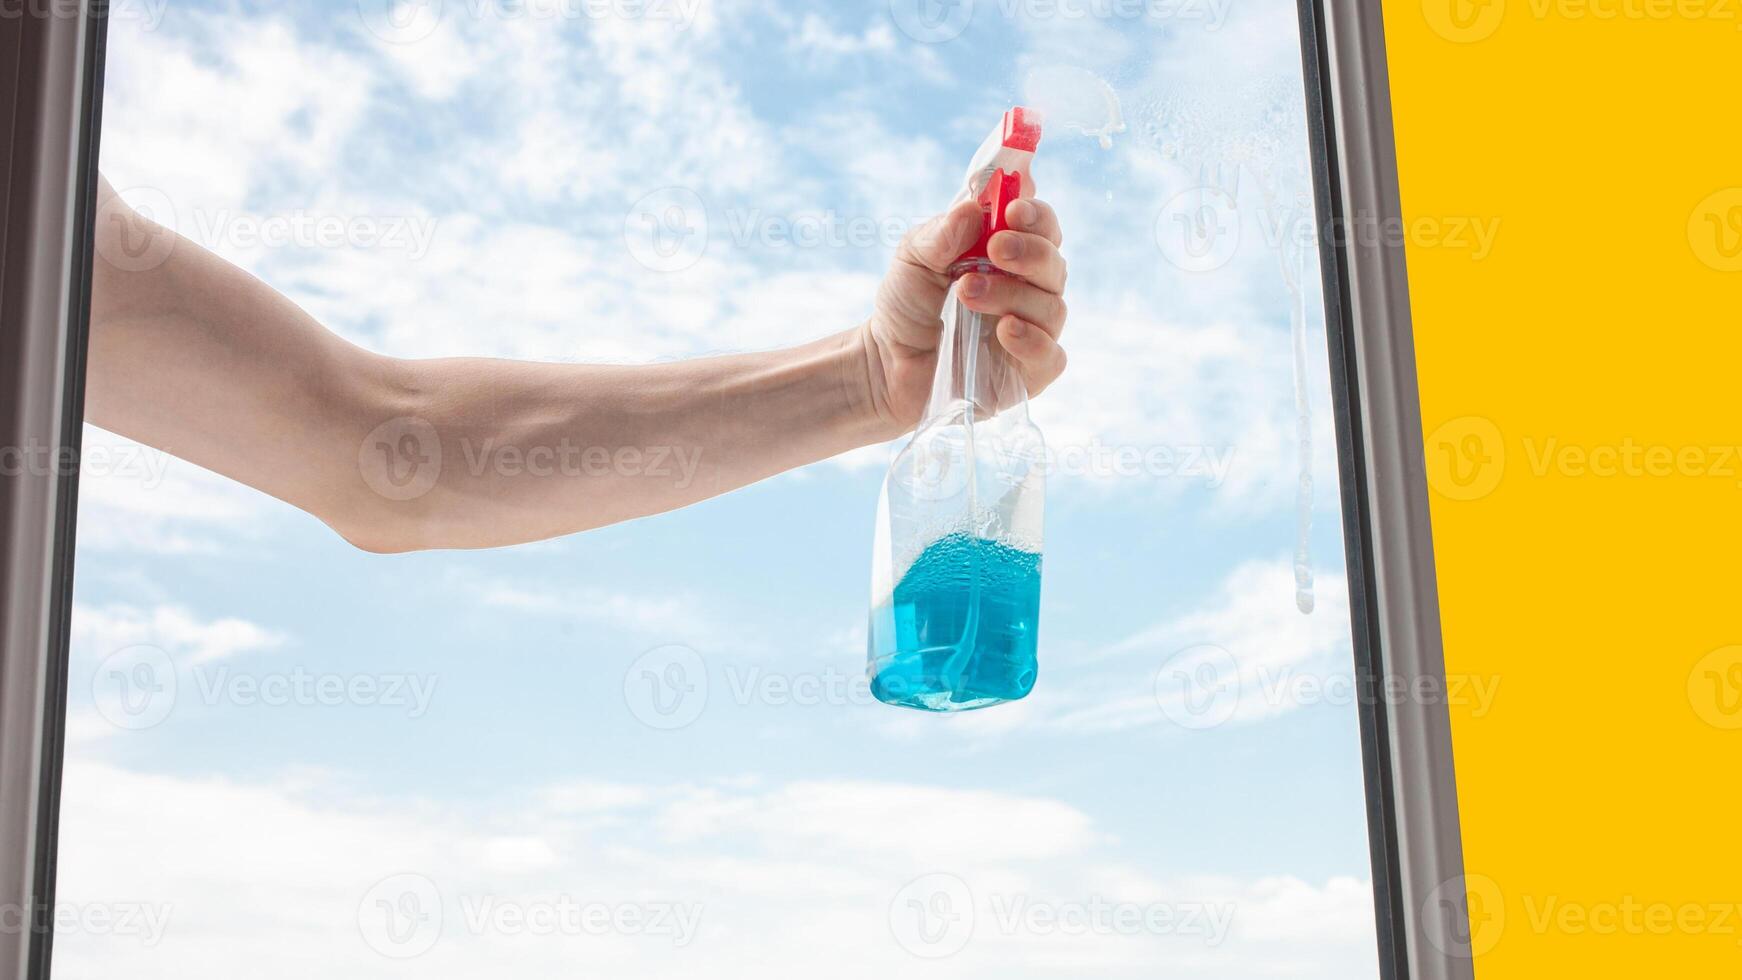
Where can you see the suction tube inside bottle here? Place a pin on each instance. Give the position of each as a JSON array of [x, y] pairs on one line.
[[968, 329], [971, 330]]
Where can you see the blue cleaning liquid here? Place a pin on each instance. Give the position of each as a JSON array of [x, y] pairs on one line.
[[959, 631]]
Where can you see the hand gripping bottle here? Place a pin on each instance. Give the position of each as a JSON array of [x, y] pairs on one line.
[[955, 578]]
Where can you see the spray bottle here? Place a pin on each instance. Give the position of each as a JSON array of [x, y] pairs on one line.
[[955, 580]]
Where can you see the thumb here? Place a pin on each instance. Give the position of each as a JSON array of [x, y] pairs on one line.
[[937, 243]]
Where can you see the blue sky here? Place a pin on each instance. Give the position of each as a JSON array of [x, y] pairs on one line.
[[482, 174]]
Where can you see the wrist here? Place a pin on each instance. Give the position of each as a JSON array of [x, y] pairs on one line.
[[866, 387]]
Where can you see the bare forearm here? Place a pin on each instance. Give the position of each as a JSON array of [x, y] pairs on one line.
[[529, 451]]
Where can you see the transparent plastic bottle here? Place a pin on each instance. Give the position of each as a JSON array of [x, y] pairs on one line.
[[955, 605]]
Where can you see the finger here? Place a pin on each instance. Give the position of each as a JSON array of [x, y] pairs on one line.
[[937, 243], [1037, 354], [1030, 256], [917, 282], [1035, 217], [1002, 294]]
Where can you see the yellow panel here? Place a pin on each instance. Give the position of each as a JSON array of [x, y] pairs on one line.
[[1581, 384]]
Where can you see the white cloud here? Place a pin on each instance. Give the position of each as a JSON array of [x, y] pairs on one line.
[[592, 796], [897, 820], [622, 610], [236, 867], [1218, 388], [816, 36], [242, 104], [1253, 615], [438, 65], [125, 661], [100, 630], [821, 46]]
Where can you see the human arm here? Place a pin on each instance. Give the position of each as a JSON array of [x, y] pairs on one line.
[[196, 357]]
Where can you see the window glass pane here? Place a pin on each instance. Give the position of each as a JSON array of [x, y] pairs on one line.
[[649, 750]]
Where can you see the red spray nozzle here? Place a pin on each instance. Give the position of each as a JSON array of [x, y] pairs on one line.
[[1000, 191], [1022, 129]]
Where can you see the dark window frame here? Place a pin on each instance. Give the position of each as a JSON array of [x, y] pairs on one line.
[[51, 57]]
